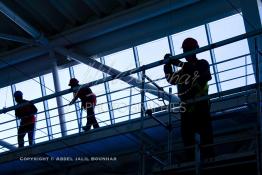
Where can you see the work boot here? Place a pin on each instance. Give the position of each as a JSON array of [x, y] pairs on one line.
[[85, 128]]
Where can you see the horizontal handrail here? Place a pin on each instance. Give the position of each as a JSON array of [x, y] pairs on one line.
[[148, 66]]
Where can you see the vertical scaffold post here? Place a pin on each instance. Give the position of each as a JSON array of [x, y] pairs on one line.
[[142, 146], [259, 119], [170, 128], [197, 154]]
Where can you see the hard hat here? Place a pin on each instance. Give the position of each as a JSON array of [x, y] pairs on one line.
[[18, 94], [73, 82], [190, 44]]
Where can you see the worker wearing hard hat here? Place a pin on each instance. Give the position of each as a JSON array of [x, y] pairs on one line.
[[25, 112], [88, 99], [192, 82]]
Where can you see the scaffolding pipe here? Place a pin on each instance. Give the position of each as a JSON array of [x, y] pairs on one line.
[[142, 147], [149, 112], [259, 119], [15, 38], [197, 154], [169, 141]]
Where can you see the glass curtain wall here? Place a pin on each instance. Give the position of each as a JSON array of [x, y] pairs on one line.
[[231, 74], [8, 131], [121, 100], [241, 72]]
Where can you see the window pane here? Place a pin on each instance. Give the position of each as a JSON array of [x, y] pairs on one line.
[[85, 73], [101, 112], [50, 89], [121, 61], [49, 83], [151, 52], [69, 111], [8, 131], [54, 118], [224, 29], [227, 28], [197, 33]]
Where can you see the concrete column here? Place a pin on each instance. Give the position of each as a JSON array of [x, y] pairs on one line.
[[59, 99]]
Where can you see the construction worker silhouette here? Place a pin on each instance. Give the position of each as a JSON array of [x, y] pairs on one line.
[[88, 99], [192, 82], [25, 112]]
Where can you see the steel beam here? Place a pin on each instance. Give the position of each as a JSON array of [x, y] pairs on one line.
[[23, 24], [94, 7], [113, 72], [133, 16], [19, 21], [15, 38], [100, 29]]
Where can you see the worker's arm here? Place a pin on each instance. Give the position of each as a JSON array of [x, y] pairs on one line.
[[205, 74], [175, 62], [171, 77], [74, 99]]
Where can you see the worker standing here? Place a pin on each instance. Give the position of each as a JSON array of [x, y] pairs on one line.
[[25, 112], [192, 83]]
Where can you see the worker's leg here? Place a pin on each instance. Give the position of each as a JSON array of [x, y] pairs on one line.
[[88, 125], [20, 136], [92, 119], [187, 131], [31, 133], [90, 113], [205, 130], [206, 135]]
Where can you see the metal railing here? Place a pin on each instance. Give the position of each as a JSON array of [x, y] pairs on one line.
[[129, 106], [154, 100]]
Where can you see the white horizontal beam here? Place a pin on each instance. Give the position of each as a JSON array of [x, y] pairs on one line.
[[113, 72]]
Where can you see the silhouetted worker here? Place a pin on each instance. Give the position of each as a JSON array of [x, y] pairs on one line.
[[26, 113], [88, 99], [192, 82]]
